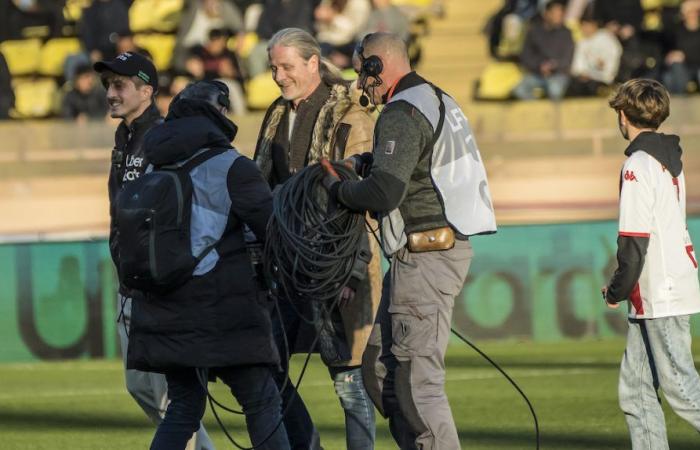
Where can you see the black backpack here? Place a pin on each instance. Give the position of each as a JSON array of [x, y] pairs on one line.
[[153, 227]]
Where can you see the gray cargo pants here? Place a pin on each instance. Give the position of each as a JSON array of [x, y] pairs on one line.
[[404, 363], [149, 389]]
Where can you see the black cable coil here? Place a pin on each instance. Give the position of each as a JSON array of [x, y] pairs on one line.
[[312, 242]]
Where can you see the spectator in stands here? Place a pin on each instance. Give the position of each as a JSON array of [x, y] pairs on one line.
[[214, 61], [86, 100], [338, 22], [546, 55], [125, 43], [386, 17], [683, 61], [596, 58], [505, 29], [199, 19], [624, 18], [102, 22], [7, 95], [46, 16], [278, 15], [619, 14]]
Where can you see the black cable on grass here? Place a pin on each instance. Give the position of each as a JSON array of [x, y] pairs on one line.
[[515, 385]]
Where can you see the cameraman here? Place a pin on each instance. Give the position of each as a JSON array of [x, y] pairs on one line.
[[213, 325]]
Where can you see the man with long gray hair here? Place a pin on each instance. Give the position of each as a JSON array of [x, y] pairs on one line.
[[318, 116]]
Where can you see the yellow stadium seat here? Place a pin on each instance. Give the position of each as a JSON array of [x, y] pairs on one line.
[[417, 3], [155, 15], [160, 46], [54, 54], [73, 10], [243, 49], [22, 55], [34, 98], [262, 91], [349, 74], [498, 80]]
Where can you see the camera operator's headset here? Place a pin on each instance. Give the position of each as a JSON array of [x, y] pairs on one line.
[[370, 66]]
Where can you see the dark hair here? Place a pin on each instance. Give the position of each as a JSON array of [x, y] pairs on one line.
[[551, 4], [82, 69], [217, 33], [645, 102]]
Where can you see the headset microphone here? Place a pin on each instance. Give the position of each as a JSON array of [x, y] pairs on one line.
[[364, 100]]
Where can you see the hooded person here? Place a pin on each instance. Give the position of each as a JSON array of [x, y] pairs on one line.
[[657, 270], [213, 324]]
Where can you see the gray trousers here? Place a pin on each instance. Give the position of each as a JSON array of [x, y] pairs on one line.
[[149, 389], [404, 363], [658, 355]]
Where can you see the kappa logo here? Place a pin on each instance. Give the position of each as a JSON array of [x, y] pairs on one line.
[[629, 175]]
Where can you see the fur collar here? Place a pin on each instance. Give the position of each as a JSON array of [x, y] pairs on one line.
[[322, 139]]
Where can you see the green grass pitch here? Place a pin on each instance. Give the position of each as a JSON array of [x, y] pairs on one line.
[[572, 385]]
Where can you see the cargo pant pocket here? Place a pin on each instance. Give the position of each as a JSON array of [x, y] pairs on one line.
[[414, 329]]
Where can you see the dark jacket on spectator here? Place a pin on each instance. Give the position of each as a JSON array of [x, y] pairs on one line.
[[688, 42], [216, 319], [279, 14], [7, 95], [102, 21], [624, 12], [92, 104], [45, 13], [547, 44], [231, 20]]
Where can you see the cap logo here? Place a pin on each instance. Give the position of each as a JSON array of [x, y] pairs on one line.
[[144, 76], [124, 56]]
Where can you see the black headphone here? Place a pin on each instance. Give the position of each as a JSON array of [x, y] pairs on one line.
[[372, 65], [213, 92]]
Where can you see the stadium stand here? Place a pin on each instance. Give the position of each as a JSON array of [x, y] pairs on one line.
[[53, 55], [160, 46], [155, 15], [23, 56], [35, 98]]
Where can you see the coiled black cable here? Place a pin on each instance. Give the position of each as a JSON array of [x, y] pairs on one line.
[[310, 248], [311, 243]]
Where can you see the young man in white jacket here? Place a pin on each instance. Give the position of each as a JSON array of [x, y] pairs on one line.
[[657, 270]]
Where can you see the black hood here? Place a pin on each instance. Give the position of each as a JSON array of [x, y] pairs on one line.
[[190, 126], [664, 148]]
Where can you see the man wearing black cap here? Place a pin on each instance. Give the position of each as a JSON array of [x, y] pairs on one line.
[[131, 82]]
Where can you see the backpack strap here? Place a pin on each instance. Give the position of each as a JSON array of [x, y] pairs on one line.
[[201, 157]]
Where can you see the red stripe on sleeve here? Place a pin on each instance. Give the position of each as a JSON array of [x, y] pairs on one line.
[[633, 234], [636, 299]]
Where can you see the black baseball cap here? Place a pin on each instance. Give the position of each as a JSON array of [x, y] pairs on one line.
[[131, 64]]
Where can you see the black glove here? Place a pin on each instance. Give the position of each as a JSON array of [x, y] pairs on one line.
[[361, 163]]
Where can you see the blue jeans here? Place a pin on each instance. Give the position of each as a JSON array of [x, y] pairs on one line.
[[358, 407], [553, 85], [252, 386], [349, 386], [658, 355]]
